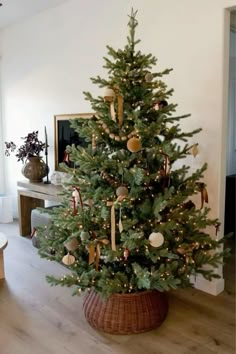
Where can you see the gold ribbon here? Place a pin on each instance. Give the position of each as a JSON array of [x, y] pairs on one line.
[[166, 164], [95, 251], [74, 206], [112, 110], [120, 103], [165, 171], [120, 223], [109, 97], [204, 194], [91, 253], [204, 197], [93, 141], [217, 226], [113, 221]]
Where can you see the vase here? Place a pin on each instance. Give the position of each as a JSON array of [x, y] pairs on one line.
[[126, 313], [35, 169]]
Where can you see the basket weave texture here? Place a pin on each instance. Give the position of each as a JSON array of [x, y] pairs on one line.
[[126, 313]]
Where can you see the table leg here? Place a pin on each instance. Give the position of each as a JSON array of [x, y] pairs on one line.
[[2, 276], [25, 205]]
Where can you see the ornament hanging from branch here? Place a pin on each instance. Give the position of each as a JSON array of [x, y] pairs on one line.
[[95, 251], [77, 196], [109, 96], [217, 226], [165, 171], [122, 190], [68, 259], [204, 194], [134, 144], [194, 150], [74, 207], [120, 221], [84, 235], [126, 254], [93, 141], [156, 239], [166, 164], [160, 104], [187, 249], [113, 220], [120, 104], [72, 245], [148, 77]]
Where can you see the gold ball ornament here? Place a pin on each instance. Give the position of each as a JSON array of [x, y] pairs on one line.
[[134, 144], [148, 77], [109, 95], [72, 245], [122, 191], [156, 239], [68, 259]]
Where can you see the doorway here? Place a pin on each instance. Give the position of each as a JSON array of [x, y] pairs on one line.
[[230, 187], [230, 179]]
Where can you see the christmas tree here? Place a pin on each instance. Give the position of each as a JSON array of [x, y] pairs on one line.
[[127, 222]]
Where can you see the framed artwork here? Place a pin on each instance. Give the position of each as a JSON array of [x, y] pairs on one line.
[[65, 135]]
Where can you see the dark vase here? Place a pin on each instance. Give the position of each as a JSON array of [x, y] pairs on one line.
[[126, 313], [35, 169]]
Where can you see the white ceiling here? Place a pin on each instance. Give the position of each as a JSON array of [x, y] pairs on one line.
[[13, 11]]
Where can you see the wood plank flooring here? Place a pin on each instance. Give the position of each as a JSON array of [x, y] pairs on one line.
[[38, 319]]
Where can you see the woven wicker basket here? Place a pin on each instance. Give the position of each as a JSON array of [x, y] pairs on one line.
[[126, 313]]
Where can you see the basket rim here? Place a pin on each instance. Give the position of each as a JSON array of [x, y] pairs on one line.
[[137, 293]]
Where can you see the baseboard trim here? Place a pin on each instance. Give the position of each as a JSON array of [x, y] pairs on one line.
[[214, 287]]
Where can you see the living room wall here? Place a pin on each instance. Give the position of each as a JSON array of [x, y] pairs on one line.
[[48, 59]]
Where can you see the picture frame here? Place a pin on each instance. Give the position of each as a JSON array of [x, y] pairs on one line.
[[65, 135]]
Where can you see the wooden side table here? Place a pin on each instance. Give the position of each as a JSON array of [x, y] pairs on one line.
[[33, 195], [3, 245]]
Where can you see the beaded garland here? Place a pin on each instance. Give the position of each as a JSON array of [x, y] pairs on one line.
[[115, 136]]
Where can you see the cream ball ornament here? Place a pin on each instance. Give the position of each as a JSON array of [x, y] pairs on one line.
[[134, 144], [156, 239], [109, 95], [148, 77]]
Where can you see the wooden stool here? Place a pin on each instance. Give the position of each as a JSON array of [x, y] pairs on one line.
[[3, 245]]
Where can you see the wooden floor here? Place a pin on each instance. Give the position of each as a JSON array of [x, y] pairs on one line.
[[38, 319]]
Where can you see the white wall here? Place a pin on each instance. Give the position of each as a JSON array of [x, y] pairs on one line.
[[48, 59], [2, 174]]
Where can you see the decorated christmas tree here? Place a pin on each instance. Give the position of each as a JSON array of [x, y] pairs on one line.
[[127, 222]]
